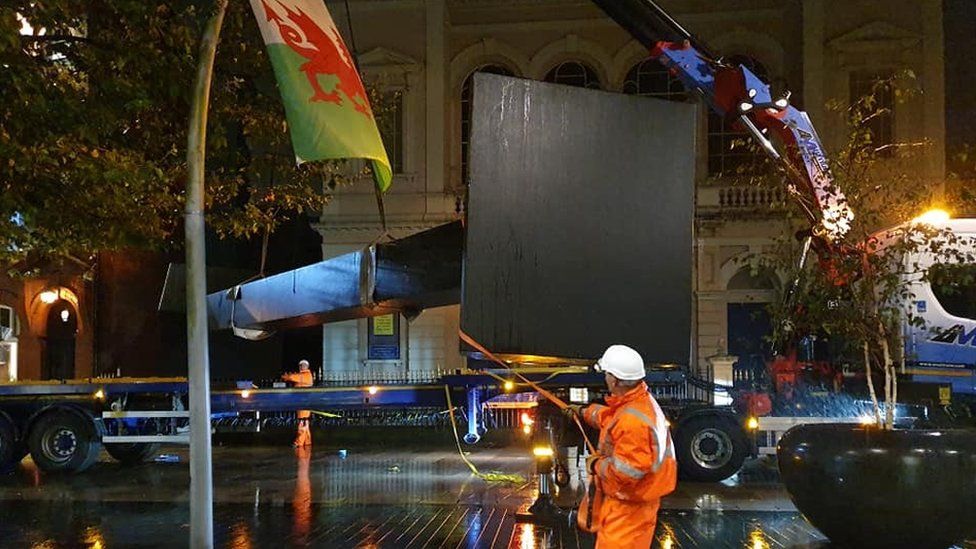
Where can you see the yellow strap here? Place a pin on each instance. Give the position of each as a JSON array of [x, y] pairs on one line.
[[324, 414], [489, 477]]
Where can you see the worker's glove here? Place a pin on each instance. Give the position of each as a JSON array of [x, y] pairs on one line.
[[591, 463], [573, 410]]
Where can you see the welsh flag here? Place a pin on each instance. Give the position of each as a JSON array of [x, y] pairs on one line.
[[325, 103]]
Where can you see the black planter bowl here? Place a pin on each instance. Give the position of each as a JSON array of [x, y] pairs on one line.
[[865, 487]]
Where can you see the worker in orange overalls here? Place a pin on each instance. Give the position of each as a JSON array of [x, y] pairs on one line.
[[635, 465], [303, 378]]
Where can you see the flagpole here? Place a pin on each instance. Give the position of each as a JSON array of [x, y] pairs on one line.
[[198, 363]]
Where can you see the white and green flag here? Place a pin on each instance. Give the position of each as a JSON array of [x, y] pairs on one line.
[[325, 102]]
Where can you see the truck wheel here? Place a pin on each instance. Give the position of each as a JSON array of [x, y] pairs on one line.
[[63, 442], [709, 448], [132, 454], [11, 450]]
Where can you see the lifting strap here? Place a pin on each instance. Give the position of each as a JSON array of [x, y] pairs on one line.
[[551, 397]]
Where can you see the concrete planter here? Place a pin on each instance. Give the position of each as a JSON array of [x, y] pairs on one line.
[[865, 487]]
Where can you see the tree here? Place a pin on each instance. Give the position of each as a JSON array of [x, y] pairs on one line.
[[863, 296], [94, 97]]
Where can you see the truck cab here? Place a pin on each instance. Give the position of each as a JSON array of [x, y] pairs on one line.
[[942, 348]]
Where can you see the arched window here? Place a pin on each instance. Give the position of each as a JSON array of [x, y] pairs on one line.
[[650, 78], [467, 94], [747, 279], [574, 73], [728, 154], [8, 344]]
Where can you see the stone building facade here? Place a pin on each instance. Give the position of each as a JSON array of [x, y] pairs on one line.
[[423, 52], [421, 55]]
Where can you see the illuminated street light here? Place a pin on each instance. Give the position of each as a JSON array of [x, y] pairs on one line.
[[934, 216]]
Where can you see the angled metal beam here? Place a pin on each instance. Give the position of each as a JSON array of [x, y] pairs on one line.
[[407, 275]]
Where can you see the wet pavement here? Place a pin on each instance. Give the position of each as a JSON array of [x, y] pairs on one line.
[[404, 497]]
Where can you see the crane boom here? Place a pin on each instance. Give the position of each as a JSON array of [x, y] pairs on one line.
[[736, 93]]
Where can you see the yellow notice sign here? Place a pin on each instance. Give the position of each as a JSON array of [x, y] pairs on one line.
[[383, 325], [945, 395]]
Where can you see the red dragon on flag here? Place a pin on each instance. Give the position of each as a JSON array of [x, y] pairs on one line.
[[326, 54]]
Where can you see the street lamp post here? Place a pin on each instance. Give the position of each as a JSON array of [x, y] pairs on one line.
[[201, 475]]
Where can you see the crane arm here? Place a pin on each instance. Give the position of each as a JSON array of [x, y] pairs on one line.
[[734, 92]]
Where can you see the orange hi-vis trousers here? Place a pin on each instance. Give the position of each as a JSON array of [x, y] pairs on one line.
[[303, 435], [626, 525]]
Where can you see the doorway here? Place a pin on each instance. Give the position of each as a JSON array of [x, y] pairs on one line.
[[59, 345], [748, 329]]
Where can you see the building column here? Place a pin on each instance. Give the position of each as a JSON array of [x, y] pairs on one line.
[[933, 82], [813, 59], [435, 74]]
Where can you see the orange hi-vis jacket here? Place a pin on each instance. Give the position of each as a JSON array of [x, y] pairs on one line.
[[301, 379], [636, 460]]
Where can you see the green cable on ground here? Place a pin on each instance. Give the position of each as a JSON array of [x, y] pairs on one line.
[[493, 476]]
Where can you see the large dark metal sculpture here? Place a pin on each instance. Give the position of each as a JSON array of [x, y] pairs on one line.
[[579, 228]]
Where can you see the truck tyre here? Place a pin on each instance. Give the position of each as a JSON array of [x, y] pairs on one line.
[[132, 454], [11, 449], [63, 442], [709, 448]]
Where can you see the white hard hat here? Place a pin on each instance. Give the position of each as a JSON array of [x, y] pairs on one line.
[[621, 361], [303, 362]]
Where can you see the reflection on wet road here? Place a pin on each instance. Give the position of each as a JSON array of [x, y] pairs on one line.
[[275, 497]]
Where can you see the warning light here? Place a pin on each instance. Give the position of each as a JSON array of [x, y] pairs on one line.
[[245, 393], [752, 423], [99, 395], [542, 451], [509, 385], [526, 419], [373, 389]]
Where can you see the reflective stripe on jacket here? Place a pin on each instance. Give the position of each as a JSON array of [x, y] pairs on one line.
[[636, 455]]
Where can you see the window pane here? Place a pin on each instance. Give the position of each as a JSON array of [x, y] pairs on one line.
[[467, 94], [954, 287], [879, 106], [574, 73], [389, 120], [650, 78]]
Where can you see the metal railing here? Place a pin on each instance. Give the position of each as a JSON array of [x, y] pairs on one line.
[[743, 197]]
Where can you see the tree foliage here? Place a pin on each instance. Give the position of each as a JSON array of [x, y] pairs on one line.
[[94, 104], [860, 299]]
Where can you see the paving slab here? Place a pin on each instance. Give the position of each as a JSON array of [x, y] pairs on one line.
[[392, 497]]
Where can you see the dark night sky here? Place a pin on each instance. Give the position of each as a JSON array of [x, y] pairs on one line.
[[960, 38]]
